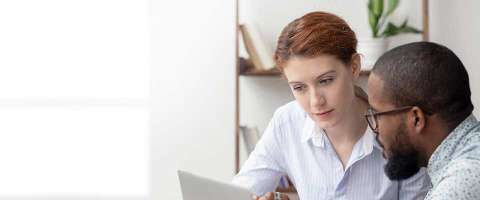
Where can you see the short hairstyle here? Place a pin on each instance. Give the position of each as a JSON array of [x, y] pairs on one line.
[[315, 34], [427, 75]]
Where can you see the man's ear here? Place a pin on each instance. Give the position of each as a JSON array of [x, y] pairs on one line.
[[356, 66], [417, 120]]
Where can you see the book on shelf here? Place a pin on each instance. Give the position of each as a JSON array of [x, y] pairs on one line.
[[257, 50], [245, 65], [250, 137]]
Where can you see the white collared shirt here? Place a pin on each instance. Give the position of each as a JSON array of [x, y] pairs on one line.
[[293, 145]]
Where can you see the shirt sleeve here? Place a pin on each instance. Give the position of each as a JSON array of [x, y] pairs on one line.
[[264, 167], [461, 182], [415, 187]]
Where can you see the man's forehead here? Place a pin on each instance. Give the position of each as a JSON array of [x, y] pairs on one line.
[[375, 84], [376, 95]]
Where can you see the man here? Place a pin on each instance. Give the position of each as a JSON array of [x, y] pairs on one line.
[[421, 112]]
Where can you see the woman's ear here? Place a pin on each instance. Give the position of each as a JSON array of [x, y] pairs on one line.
[[355, 66]]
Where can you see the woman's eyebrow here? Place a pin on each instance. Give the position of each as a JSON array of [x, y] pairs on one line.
[[318, 77], [326, 73]]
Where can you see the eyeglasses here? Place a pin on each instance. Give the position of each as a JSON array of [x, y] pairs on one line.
[[371, 116]]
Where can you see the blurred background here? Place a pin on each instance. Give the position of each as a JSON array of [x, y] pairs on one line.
[[107, 99]]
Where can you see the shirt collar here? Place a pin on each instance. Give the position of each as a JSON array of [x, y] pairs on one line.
[[312, 132], [444, 153]]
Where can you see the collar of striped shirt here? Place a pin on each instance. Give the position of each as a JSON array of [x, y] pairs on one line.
[[318, 137]]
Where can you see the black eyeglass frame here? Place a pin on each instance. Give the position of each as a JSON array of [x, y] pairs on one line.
[[371, 116]]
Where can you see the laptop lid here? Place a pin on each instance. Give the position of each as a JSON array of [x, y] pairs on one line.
[[200, 188]]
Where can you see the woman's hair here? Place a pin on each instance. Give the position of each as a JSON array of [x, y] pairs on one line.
[[315, 34]]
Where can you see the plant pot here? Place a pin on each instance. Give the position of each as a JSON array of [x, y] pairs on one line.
[[371, 49]]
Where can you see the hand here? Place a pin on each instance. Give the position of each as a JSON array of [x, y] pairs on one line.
[[271, 196]]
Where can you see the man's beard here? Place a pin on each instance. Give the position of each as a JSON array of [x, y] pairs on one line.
[[403, 161]]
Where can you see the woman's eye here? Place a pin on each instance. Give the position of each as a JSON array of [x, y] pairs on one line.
[[298, 88], [326, 81]]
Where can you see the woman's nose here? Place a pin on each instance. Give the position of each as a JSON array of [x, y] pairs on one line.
[[317, 98]]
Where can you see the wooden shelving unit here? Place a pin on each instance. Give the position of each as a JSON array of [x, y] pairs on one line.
[[254, 72]]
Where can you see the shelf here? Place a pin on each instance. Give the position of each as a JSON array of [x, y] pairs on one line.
[[275, 72], [256, 72]]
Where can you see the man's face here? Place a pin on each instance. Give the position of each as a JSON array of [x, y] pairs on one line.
[[393, 134]]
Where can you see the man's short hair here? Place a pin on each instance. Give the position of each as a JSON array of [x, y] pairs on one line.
[[427, 75]]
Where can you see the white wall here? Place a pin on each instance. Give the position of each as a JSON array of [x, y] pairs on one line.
[[193, 71], [67, 112], [457, 25], [260, 97]]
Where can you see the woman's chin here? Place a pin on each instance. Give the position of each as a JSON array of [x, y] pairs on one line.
[[324, 122]]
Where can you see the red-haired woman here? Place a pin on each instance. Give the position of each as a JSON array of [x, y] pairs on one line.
[[321, 140]]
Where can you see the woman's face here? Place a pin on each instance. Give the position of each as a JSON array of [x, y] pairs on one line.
[[324, 87]]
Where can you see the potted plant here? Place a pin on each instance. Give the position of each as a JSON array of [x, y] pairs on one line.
[[378, 18]]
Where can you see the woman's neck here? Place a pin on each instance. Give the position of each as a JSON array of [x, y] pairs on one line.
[[351, 128], [344, 135]]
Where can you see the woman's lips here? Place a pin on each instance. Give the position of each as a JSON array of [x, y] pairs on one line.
[[323, 113]]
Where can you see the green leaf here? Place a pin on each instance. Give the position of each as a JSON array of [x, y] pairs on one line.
[[392, 29], [409, 29], [404, 28], [377, 7], [404, 24], [373, 21], [392, 5]]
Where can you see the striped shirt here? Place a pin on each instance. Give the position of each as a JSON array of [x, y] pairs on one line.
[[293, 145]]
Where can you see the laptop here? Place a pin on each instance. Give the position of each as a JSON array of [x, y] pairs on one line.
[[200, 188]]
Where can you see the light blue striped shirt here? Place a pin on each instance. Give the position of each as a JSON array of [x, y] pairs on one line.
[[293, 145]]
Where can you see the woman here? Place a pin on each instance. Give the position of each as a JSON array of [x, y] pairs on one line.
[[321, 140]]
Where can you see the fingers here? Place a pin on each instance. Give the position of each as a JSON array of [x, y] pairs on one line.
[[270, 196], [284, 197]]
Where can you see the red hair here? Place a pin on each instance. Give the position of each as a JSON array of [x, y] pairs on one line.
[[314, 34]]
